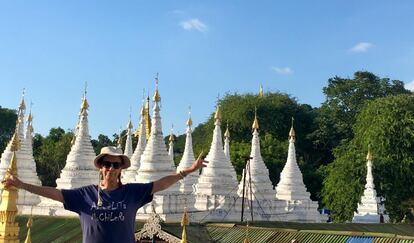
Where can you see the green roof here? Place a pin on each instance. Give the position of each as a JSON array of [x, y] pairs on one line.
[[60, 229]]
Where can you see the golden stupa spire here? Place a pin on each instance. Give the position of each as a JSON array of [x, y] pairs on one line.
[[369, 155], [156, 97], [184, 222], [292, 133], [171, 139], [217, 115], [9, 229], [147, 118], [30, 116], [22, 105], [142, 113], [129, 126], [255, 125], [189, 121], [119, 142], [29, 227], [246, 239], [85, 104], [30, 119], [227, 132]]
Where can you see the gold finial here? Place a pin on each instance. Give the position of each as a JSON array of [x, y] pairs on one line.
[[261, 91], [129, 126], [156, 97], [30, 117], [147, 118], [189, 121], [29, 227], [369, 155], [292, 133], [119, 142], [255, 125], [22, 105], [15, 142], [217, 116], [246, 240], [227, 133], [85, 104], [184, 222]]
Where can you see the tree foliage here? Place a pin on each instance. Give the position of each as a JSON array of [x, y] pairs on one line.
[[50, 154], [274, 112], [8, 119], [344, 99], [387, 124]]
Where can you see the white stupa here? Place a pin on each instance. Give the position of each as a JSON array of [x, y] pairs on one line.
[[128, 143], [7, 153], [26, 166], [258, 189], [156, 163], [227, 142], [132, 172], [79, 169], [186, 185], [27, 171], [216, 189], [291, 189], [171, 146], [370, 208]]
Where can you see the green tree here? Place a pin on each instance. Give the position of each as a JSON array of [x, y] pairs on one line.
[[344, 99], [51, 157], [387, 124], [274, 111], [102, 141], [8, 119]]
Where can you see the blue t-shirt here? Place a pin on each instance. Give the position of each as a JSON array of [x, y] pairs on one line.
[[115, 220]]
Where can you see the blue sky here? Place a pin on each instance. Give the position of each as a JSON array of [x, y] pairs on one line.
[[200, 48]]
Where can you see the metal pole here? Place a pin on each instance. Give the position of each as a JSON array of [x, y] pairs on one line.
[[244, 183], [250, 188]]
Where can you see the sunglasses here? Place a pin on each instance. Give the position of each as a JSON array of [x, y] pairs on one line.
[[109, 164]]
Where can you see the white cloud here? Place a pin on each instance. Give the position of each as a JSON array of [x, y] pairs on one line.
[[283, 70], [361, 47], [194, 24], [410, 86]]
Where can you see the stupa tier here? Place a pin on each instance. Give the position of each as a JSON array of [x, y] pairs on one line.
[[292, 190], [132, 172], [186, 184], [79, 169], [255, 187], [216, 188], [25, 162], [155, 163], [370, 210]]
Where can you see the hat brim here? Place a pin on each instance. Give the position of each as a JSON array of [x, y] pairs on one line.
[[125, 160]]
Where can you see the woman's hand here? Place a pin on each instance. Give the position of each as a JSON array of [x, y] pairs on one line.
[[12, 181], [198, 163]]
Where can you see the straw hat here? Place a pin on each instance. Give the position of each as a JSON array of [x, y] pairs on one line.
[[114, 151]]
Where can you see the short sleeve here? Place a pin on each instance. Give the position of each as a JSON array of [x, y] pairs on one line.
[[73, 199], [141, 193]]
